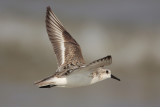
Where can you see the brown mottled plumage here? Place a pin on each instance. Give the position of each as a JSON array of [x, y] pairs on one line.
[[67, 50], [72, 71]]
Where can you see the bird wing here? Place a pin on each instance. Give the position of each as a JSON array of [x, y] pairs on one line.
[[91, 67], [67, 50], [100, 62]]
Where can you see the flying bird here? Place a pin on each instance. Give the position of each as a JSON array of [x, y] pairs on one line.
[[72, 70]]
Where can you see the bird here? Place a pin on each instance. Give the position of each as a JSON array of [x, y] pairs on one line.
[[72, 70]]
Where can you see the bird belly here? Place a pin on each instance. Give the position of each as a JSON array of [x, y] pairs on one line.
[[82, 78], [78, 79]]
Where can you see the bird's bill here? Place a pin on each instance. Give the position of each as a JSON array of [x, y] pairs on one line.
[[112, 76]]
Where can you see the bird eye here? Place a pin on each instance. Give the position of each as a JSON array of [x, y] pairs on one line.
[[107, 71]]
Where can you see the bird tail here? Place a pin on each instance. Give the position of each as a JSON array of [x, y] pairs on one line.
[[45, 83]]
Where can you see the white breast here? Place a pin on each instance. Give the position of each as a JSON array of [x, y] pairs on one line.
[[78, 79]]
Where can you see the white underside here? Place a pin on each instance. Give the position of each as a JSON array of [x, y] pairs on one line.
[[76, 80]]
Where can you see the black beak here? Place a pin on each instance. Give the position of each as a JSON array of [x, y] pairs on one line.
[[115, 77]]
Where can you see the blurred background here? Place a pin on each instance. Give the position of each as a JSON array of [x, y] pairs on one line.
[[128, 30]]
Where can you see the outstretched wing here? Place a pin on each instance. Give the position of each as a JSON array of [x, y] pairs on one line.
[[67, 50], [100, 62], [95, 64]]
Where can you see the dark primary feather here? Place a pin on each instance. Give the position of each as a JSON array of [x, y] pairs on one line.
[[59, 37]]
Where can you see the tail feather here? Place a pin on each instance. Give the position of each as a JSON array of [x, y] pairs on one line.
[[45, 83], [47, 86]]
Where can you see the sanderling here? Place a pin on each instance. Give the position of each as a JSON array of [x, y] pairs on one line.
[[72, 70]]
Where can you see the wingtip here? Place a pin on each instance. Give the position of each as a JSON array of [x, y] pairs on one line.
[[109, 56], [48, 8], [48, 13]]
